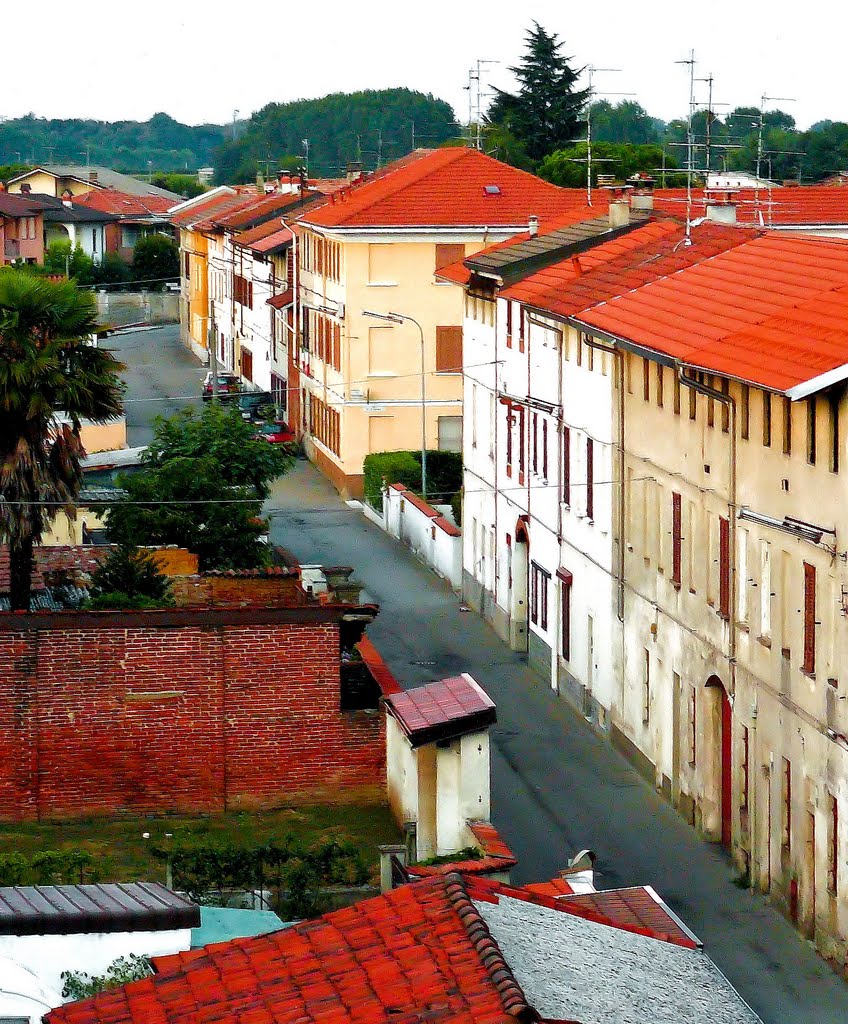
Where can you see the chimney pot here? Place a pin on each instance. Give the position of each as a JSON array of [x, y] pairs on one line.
[[619, 213], [533, 226]]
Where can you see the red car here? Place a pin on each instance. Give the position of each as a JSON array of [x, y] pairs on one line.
[[228, 384], [275, 433]]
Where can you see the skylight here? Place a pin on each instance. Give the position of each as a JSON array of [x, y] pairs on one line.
[[492, 190]]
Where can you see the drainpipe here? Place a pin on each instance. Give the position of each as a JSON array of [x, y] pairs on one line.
[[618, 356], [294, 336]]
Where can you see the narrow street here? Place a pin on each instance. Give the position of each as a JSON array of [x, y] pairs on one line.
[[556, 786]]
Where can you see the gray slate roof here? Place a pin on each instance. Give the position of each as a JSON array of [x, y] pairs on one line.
[[107, 178], [571, 968]]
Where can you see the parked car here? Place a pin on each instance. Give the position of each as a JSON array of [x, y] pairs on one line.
[[275, 433], [257, 406], [228, 384]]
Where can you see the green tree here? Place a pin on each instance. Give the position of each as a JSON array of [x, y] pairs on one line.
[[545, 113], [129, 578], [202, 488], [47, 366], [567, 167], [64, 259], [626, 121], [156, 257]]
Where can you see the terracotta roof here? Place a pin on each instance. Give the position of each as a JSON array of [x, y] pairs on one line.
[[618, 266], [444, 188], [282, 300], [109, 200], [772, 311], [216, 205], [638, 907], [260, 210], [555, 889], [17, 206], [786, 206], [442, 710], [496, 855], [274, 242], [419, 953], [258, 231]]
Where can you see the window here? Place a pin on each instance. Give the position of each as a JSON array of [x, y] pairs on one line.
[[833, 409], [811, 430], [646, 688], [676, 540], [544, 449], [448, 254], [646, 380], [450, 433], [709, 380], [676, 395], [522, 415], [660, 381], [693, 404], [247, 364], [535, 442], [94, 239], [539, 580], [833, 846], [724, 567], [521, 319], [787, 426], [510, 422], [242, 291], [786, 804], [186, 265], [324, 424], [766, 419], [745, 411], [474, 415], [508, 324], [448, 350], [745, 769], [725, 406], [809, 619], [566, 580], [590, 478], [566, 465]]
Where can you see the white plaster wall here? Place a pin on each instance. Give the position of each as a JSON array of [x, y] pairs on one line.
[[48, 955], [23, 994], [401, 773], [416, 529], [450, 824], [475, 801]]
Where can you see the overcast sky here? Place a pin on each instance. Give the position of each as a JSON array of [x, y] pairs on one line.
[[199, 60]]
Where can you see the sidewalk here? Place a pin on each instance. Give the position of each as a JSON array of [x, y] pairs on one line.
[[556, 786]]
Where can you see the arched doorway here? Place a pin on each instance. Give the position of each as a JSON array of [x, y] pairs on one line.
[[722, 729], [520, 584]]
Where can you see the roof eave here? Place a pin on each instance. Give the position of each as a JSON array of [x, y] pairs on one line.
[[824, 380]]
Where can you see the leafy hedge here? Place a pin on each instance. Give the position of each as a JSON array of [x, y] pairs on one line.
[[51, 867], [204, 869], [444, 474]]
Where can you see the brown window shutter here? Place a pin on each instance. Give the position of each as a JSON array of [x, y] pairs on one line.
[[566, 465], [809, 618], [448, 254], [590, 478], [449, 350], [724, 567], [545, 449], [675, 539]]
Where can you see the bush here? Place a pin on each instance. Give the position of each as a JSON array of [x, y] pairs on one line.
[[129, 578], [456, 508], [444, 476], [397, 467], [79, 985], [155, 257], [50, 867]]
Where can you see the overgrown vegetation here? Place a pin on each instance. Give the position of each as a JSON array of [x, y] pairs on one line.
[[444, 475], [129, 578], [79, 985], [202, 488], [51, 867], [292, 871], [466, 853]]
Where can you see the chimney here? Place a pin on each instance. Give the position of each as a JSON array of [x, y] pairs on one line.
[[354, 172], [26, 188], [619, 213], [92, 175], [533, 226], [721, 206], [642, 196], [67, 197]]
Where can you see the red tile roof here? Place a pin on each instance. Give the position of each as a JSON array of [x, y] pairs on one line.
[[282, 300], [497, 856], [274, 242], [799, 205], [616, 267], [447, 188], [441, 710], [638, 907], [772, 311], [259, 231], [109, 200], [419, 953], [214, 205], [262, 208], [17, 206]]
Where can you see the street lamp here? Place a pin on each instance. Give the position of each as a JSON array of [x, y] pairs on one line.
[[399, 318]]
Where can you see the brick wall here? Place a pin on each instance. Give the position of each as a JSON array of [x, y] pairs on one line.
[[178, 711]]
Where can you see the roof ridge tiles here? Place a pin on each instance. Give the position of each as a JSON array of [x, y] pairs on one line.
[[513, 998]]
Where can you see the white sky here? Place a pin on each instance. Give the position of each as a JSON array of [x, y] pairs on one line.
[[198, 60]]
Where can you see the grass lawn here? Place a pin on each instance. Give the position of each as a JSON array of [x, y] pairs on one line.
[[126, 856]]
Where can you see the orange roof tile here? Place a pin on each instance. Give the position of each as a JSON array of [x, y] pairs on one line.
[[442, 710], [772, 311], [447, 188], [419, 952], [260, 210], [109, 200], [803, 205]]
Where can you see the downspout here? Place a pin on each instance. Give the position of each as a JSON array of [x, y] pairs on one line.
[[618, 356]]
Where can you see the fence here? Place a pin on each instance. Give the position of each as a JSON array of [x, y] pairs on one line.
[[426, 530], [119, 309]]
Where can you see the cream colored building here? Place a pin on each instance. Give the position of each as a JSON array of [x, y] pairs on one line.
[[377, 247]]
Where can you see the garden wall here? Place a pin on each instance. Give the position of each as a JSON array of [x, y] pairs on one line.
[[178, 710]]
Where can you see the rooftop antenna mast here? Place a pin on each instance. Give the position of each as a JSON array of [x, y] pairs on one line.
[[689, 145], [592, 69], [478, 78], [761, 122]]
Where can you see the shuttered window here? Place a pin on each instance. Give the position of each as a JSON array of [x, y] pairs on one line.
[[811, 430], [510, 420], [508, 324], [676, 540], [565, 579], [522, 414], [545, 449], [590, 478], [724, 568], [566, 465], [809, 618], [449, 350], [448, 254]]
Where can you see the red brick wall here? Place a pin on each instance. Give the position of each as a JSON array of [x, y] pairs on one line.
[[195, 718]]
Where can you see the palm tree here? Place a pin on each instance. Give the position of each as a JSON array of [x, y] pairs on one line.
[[47, 366]]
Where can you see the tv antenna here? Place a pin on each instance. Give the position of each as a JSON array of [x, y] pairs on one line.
[[477, 76], [761, 122], [689, 144], [591, 69]]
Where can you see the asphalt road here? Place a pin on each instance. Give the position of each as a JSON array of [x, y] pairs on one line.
[[162, 377], [557, 787]]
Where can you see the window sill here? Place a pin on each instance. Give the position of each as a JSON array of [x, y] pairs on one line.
[[448, 373], [382, 284], [382, 373], [765, 641]]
